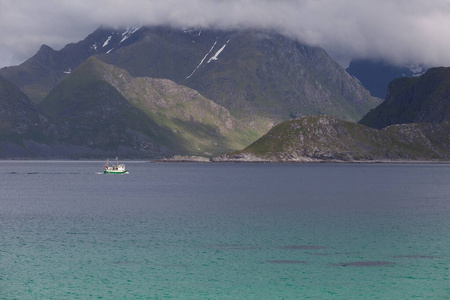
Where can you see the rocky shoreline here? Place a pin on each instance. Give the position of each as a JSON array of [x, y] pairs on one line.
[[248, 158]]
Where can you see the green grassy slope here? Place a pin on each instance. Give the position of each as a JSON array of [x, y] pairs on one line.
[[326, 138], [100, 104]]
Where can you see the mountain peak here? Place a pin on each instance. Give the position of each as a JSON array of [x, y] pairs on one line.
[[45, 49], [45, 55]]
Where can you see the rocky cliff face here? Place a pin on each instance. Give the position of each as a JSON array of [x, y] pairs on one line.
[[423, 99], [322, 138]]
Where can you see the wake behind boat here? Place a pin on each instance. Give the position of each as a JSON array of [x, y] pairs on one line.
[[111, 168]]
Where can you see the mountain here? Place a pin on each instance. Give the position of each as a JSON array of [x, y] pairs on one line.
[[375, 75], [323, 138], [411, 100], [105, 107], [249, 72], [158, 91]]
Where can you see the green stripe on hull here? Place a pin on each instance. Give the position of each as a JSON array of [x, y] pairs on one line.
[[108, 172]]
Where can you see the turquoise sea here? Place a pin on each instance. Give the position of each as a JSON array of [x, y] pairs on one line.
[[224, 231]]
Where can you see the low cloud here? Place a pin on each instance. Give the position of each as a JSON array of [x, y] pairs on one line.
[[400, 31]]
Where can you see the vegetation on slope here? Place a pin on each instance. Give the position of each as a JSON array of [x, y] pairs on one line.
[[101, 105], [316, 138]]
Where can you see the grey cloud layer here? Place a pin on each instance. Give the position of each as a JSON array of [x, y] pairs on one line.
[[400, 30]]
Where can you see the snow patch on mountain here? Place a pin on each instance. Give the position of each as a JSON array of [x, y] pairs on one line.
[[128, 33], [193, 31], [107, 41], [417, 70], [201, 62], [113, 39], [218, 52], [357, 80], [414, 70]]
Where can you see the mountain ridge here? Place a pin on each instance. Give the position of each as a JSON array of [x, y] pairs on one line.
[[38, 75]]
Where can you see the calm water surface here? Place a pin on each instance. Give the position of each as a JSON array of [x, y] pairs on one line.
[[224, 231]]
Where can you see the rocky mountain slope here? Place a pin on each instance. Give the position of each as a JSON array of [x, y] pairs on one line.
[[323, 138], [22, 126], [411, 100], [102, 106], [249, 72], [19, 117]]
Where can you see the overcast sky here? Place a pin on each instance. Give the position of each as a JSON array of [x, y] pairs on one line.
[[403, 31]]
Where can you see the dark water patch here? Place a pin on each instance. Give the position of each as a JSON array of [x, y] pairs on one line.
[[126, 262], [320, 254], [303, 247], [70, 173], [231, 247], [415, 256], [363, 264], [350, 253], [175, 266], [47, 173], [282, 261]]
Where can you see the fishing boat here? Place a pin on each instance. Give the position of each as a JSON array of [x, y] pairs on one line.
[[111, 168]]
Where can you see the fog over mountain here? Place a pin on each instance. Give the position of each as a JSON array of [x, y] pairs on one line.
[[400, 31]]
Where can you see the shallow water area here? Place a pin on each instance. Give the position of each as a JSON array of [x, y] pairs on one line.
[[224, 231]]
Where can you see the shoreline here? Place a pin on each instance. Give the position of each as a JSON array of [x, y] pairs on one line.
[[218, 160], [199, 159]]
